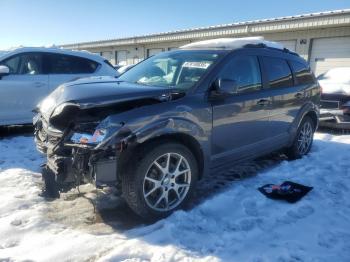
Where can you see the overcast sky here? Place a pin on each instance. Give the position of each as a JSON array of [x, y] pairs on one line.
[[47, 22]]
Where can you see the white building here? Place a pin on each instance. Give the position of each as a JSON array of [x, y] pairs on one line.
[[321, 38]]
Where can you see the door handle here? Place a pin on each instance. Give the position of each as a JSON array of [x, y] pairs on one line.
[[299, 95], [39, 84], [263, 102]]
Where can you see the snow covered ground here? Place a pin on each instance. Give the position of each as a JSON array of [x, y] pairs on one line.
[[239, 224]]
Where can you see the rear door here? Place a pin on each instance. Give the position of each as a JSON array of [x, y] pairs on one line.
[[286, 97], [23, 88], [64, 68], [241, 120]]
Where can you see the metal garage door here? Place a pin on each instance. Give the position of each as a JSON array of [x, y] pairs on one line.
[[109, 56], [289, 44], [122, 57], [153, 51], [327, 53]]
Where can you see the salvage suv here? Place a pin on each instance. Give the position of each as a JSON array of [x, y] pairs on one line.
[[176, 117]]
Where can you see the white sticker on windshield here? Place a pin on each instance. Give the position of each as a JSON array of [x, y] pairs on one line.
[[203, 65]]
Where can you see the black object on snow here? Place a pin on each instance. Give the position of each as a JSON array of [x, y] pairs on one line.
[[289, 191]]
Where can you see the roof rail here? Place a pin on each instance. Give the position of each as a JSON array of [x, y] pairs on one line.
[[263, 45]]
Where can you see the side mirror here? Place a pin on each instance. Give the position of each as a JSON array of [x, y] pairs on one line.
[[4, 71], [224, 87]]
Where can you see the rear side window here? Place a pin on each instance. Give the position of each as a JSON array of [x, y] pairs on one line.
[[278, 72], [302, 73], [66, 64], [245, 71]]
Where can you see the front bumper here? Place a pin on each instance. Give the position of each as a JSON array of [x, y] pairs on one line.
[[72, 163], [335, 111], [334, 118]]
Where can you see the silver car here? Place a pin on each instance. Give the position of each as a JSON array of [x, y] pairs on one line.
[[27, 75]]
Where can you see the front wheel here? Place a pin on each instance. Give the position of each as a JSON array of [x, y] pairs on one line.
[[303, 139], [162, 181]]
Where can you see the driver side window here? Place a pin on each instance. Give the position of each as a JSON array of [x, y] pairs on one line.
[[245, 71], [13, 64], [25, 64]]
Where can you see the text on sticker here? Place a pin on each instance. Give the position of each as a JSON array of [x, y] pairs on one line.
[[203, 65]]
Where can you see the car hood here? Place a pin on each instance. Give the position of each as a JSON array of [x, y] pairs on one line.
[[333, 87], [98, 91]]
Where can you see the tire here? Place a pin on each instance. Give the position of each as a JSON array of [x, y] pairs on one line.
[[303, 140], [151, 190]]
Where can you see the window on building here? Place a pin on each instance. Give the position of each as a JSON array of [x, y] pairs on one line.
[[278, 72], [66, 64], [302, 73], [245, 71]]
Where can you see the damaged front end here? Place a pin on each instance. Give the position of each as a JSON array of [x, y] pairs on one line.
[[80, 153], [81, 142]]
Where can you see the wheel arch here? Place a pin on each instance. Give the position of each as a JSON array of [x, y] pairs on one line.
[[314, 117], [185, 139]]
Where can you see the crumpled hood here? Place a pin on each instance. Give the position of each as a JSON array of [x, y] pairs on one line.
[[97, 91]]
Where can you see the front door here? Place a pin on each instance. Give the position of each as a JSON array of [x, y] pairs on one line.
[[241, 120], [22, 89]]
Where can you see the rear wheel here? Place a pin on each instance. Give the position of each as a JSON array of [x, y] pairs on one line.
[[162, 181], [303, 139]]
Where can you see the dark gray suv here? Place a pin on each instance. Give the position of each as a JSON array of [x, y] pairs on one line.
[[176, 117]]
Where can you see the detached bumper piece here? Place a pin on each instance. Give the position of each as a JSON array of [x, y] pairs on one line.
[[288, 191]]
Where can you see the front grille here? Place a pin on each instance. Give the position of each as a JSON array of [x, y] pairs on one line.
[[326, 104]]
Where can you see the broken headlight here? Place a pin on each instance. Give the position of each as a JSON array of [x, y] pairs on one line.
[[82, 138], [99, 136]]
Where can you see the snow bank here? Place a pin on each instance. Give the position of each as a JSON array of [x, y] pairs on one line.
[[239, 224], [232, 43]]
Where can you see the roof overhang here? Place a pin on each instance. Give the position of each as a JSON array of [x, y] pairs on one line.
[[289, 23]]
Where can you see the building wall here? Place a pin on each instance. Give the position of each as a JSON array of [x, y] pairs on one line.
[[303, 39]]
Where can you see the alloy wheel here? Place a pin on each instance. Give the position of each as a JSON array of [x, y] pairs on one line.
[[167, 182], [305, 138]]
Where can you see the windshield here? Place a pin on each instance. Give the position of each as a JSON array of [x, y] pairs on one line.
[[179, 69]]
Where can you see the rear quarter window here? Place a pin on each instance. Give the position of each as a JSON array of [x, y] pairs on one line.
[[67, 64], [302, 73], [278, 72]]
